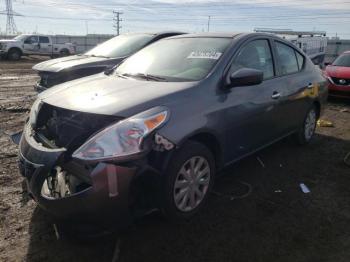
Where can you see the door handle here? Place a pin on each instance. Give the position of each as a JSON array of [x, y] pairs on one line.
[[276, 95], [310, 86]]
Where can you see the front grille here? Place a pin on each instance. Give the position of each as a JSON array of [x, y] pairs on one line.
[[341, 81], [58, 127]]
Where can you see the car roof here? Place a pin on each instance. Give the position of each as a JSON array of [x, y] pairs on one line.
[[226, 35]]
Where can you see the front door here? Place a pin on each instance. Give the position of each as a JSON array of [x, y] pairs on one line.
[[31, 45], [250, 111]]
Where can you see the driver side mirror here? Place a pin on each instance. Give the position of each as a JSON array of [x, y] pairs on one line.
[[245, 77]]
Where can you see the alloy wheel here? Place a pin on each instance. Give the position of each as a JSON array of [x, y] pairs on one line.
[[310, 124], [192, 183]]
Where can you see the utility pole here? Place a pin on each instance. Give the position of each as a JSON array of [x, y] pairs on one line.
[[117, 20], [10, 25], [209, 22]]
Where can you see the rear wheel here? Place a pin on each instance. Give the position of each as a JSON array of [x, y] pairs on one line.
[[14, 54], [64, 52], [188, 181], [307, 131]]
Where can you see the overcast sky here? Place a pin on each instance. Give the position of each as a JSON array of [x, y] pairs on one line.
[[78, 16]]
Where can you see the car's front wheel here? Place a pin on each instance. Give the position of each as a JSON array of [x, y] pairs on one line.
[[188, 181], [307, 131]]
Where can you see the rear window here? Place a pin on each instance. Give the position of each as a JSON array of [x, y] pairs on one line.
[[287, 59], [44, 40]]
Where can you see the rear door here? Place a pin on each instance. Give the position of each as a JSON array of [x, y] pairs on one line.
[[251, 110], [45, 45], [31, 45], [294, 99]]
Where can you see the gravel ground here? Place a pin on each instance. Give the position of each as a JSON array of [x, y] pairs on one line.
[[276, 222]]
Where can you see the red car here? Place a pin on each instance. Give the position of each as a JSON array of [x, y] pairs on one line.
[[338, 74]]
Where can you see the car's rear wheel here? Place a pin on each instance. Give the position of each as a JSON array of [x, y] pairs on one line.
[[188, 181], [64, 52], [307, 131]]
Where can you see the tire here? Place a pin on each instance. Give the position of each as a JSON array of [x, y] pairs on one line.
[[307, 131], [14, 54], [64, 52], [176, 200]]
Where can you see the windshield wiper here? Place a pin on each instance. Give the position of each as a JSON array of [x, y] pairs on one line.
[[146, 76]]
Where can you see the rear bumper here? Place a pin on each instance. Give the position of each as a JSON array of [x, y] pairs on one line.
[[105, 202]]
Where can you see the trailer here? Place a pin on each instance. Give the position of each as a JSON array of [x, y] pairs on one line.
[[313, 43]]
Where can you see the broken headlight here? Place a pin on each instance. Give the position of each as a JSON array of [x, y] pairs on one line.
[[123, 139], [34, 112]]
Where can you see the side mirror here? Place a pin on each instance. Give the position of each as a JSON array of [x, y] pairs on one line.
[[245, 77], [327, 63]]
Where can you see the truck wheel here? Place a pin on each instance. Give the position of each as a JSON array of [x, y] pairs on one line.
[[187, 181], [64, 52], [14, 54]]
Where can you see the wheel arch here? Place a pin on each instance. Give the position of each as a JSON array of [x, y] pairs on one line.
[[211, 141]]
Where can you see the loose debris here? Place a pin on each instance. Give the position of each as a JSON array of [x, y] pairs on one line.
[[116, 253], [260, 161], [324, 123], [304, 188], [347, 159], [235, 197], [56, 231]]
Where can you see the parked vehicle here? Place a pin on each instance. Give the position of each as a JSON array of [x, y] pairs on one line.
[[313, 43], [155, 132], [103, 57], [338, 74], [33, 45]]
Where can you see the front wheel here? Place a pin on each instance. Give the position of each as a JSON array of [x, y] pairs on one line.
[[307, 131], [14, 55], [188, 181]]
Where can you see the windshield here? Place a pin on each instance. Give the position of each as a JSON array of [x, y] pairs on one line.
[[342, 60], [120, 46], [177, 59]]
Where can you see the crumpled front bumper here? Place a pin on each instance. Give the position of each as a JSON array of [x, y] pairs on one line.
[[106, 200]]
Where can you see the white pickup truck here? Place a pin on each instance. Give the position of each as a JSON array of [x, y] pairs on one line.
[[33, 45]]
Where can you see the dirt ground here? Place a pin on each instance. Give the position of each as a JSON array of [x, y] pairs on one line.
[[276, 222]]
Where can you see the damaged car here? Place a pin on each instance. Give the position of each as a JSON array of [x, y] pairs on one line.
[[101, 58], [154, 133]]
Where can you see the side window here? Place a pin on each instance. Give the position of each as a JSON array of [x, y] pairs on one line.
[[256, 55], [44, 40], [31, 40], [287, 59], [300, 59]]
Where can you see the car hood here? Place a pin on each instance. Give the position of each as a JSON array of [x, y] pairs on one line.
[[7, 41], [59, 64], [112, 95], [338, 71]]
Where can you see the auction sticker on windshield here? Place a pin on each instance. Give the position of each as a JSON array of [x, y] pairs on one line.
[[205, 55]]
